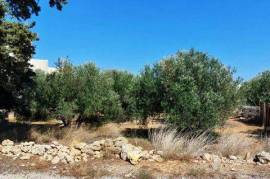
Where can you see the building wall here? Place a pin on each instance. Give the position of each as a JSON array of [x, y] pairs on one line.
[[38, 64]]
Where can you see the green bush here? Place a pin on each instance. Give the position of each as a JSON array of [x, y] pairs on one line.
[[257, 89], [194, 90], [123, 84], [82, 90]]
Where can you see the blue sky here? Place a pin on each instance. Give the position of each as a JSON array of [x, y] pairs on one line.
[[128, 34]]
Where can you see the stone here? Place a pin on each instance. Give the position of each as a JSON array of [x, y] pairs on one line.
[[16, 150], [84, 157], [108, 143], [207, 157], [146, 155], [26, 148], [80, 145], [123, 155], [38, 150], [88, 150], [75, 152], [25, 156], [114, 150], [98, 154], [69, 159], [7, 142], [47, 157], [95, 146], [157, 158], [159, 152], [247, 156], [6, 149], [131, 153], [263, 157], [55, 160], [232, 157]]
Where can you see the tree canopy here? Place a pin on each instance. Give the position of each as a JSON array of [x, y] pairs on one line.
[[257, 89], [16, 49]]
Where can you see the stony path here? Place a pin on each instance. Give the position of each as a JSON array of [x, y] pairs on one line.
[[32, 175]]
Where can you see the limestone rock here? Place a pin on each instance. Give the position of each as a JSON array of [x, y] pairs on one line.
[[80, 145], [38, 150], [55, 160], [263, 157], [157, 158], [207, 157], [25, 156], [96, 146], [131, 153], [88, 150], [232, 157], [7, 142], [6, 149]]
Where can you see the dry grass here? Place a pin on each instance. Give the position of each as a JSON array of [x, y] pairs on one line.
[[109, 130], [234, 144], [70, 136], [144, 143], [175, 144]]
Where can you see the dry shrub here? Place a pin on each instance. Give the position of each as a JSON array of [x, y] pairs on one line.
[[144, 143], [110, 130], [43, 137], [65, 136], [70, 136], [176, 144], [234, 144]]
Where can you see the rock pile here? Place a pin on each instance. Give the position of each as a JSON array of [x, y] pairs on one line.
[[263, 157], [260, 158], [56, 152]]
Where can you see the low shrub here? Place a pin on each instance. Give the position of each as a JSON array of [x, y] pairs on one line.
[[233, 144], [176, 144]]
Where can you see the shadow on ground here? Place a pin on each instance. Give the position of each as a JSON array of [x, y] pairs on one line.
[[254, 121], [137, 132], [21, 131]]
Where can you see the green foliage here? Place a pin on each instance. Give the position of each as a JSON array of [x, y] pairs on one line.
[[82, 90], [95, 94], [194, 90], [23, 9], [123, 84], [148, 96], [257, 89], [16, 49]]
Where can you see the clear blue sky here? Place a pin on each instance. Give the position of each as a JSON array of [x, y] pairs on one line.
[[127, 34]]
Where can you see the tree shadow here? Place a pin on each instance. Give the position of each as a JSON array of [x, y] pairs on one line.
[[252, 121], [137, 132], [21, 131]]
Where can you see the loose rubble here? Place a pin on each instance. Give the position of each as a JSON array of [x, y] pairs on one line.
[[80, 152], [259, 159], [118, 147]]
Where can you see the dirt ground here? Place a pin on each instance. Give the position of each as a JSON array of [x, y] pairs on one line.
[[109, 167]]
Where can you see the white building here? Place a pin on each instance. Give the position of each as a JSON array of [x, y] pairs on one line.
[[38, 64]]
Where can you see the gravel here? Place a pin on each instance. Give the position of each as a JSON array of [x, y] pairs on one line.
[[32, 175]]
